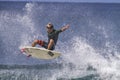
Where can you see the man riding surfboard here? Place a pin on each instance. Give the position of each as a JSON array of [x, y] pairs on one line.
[[52, 37]]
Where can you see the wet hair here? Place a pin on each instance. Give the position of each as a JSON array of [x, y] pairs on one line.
[[50, 25]]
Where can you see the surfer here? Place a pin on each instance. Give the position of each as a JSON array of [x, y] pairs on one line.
[[52, 37]]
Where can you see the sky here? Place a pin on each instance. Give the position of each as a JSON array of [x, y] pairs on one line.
[[101, 1]]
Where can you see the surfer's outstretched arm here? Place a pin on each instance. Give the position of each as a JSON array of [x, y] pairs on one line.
[[65, 27]]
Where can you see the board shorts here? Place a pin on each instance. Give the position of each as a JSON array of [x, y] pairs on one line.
[[45, 44]]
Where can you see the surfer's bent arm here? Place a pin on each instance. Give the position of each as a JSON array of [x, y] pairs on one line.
[[65, 27], [50, 44]]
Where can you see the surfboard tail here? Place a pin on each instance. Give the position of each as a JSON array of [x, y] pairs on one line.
[[24, 52]]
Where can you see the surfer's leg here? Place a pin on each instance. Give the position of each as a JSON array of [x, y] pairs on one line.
[[40, 42], [45, 45]]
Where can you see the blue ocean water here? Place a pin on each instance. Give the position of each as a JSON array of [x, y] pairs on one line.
[[90, 47]]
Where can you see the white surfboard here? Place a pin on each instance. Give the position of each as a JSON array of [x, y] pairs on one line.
[[39, 53]]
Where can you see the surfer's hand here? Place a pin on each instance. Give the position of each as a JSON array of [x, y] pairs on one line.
[[65, 27]]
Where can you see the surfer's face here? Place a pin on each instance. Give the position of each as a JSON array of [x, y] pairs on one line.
[[49, 29]]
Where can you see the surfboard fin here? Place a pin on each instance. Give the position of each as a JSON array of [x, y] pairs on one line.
[[23, 51], [29, 55]]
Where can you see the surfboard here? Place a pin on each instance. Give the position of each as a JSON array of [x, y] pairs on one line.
[[39, 53]]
